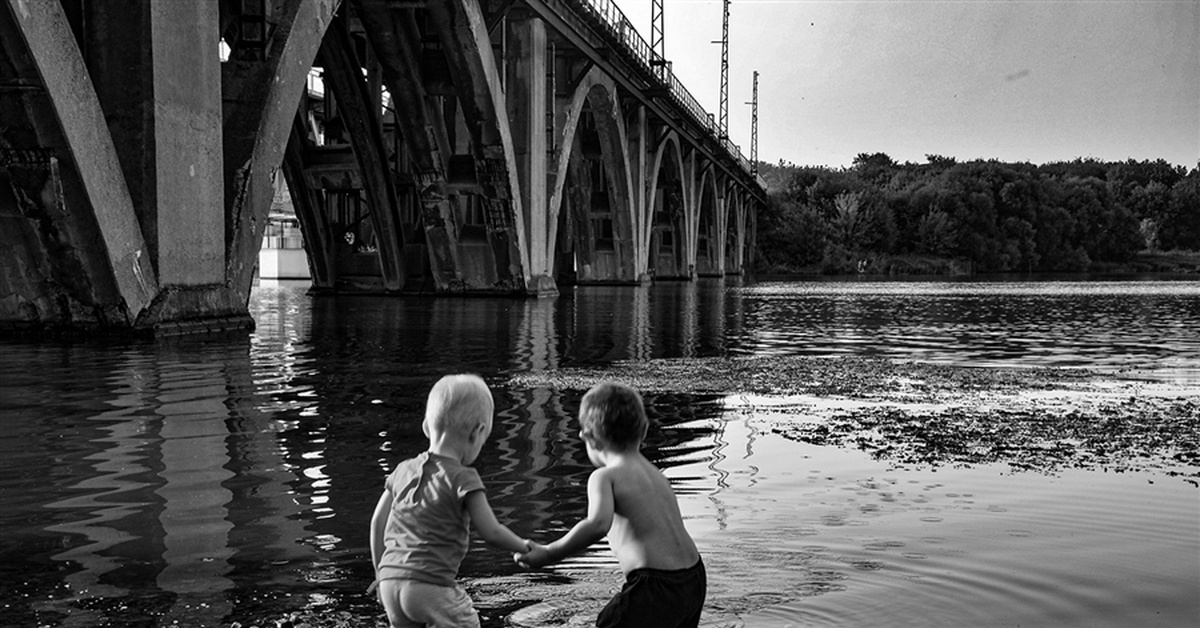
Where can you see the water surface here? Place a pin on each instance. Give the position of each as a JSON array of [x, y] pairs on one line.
[[203, 481]]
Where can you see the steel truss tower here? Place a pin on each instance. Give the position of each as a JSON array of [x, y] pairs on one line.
[[754, 128], [657, 45], [724, 119]]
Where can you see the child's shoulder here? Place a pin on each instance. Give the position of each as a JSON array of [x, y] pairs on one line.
[[633, 469]]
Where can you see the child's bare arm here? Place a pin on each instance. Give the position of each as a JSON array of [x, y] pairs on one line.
[[485, 523], [378, 525], [591, 529]]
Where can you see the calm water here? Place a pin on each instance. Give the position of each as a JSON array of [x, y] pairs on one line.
[[199, 482]]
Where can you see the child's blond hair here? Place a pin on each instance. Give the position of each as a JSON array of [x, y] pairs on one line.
[[459, 403]]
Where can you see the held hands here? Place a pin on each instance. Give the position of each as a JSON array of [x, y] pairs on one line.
[[536, 555]]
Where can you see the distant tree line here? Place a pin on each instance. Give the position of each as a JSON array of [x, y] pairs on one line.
[[978, 216]]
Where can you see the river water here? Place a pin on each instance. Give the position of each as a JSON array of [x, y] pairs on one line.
[[855, 453]]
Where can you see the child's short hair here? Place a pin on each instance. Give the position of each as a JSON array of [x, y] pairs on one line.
[[458, 403], [613, 414]]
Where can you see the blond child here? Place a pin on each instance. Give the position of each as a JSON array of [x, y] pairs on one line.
[[631, 502], [419, 532]]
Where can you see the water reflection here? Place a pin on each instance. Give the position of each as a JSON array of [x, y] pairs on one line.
[[194, 520], [1102, 324], [114, 490]]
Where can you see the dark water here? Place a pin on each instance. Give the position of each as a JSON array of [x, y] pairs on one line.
[[199, 482]]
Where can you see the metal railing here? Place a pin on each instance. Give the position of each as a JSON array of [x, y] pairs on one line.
[[636, 49]]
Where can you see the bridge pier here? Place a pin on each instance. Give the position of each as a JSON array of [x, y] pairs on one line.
[[527, 98], [159, 85]]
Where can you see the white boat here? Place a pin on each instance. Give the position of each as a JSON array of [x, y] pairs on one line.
[[282, 255]]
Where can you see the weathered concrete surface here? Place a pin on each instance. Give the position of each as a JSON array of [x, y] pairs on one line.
[[476, 73], [74, 254], [261, 91], [527, 109], [318, 235], [87, 252], [159, 86], [394, 36], [187, 136], [360, 113]]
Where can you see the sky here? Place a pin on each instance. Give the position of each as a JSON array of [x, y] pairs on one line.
[[1015, 80]]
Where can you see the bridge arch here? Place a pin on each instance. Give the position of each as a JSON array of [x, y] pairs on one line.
[[734, 238], [488, 148], [710, 226], [593, 237], [666, 220]]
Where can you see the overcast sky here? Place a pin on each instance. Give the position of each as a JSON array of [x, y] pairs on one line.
[[1015, 80]]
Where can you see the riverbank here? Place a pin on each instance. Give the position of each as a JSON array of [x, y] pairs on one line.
[[1177, 262], [1169, 262]]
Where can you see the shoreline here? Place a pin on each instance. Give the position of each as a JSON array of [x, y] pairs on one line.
[[1165, 265]]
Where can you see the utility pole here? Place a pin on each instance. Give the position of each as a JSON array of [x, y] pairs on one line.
[[724, 119], [754, 128], [657, 45]]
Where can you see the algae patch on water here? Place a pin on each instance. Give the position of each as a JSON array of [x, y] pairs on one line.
[[909, 413]]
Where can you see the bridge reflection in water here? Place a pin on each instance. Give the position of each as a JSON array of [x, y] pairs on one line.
[[202, 480]]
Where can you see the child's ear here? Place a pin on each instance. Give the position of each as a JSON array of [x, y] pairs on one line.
[[591, 440]]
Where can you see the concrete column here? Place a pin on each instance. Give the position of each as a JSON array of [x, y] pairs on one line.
[[166, 116], [723, 226], [693, 193], [527, 109], [187, 120], [643, 183]]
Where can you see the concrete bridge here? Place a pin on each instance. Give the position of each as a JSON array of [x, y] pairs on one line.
[[449, 146]]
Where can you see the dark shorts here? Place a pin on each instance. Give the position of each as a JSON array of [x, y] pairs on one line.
[[655, 598]]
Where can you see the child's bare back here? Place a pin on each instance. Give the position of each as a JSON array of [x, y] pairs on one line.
[[647, 528], [631, 502]]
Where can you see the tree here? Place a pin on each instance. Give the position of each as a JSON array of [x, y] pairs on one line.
[[874, 168], [791, 235], [1106, 231], [999, 216], [848, 219], [939, 161], [935, 233], [1181, 226]]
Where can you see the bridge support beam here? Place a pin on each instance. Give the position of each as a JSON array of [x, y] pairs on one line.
[[261, 88], [314, 224], [394, 35], [71, 248], [643, 182], [160, 88], [360, 115], [527, 115]]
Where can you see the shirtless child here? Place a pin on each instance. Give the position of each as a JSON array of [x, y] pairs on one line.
[[631, 502]]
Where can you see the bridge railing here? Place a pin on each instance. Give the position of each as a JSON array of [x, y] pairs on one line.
[[654, 65]]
